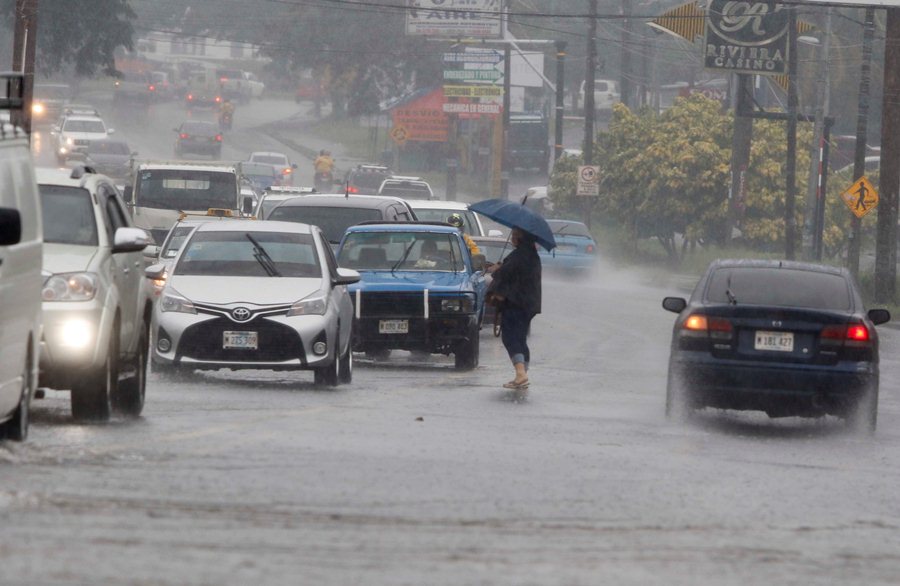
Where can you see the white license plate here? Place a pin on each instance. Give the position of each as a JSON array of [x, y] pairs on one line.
[[241, 340], [393, 326], [774, 341]]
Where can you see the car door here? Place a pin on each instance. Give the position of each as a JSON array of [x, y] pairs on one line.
[[127, 266], [339, 296]]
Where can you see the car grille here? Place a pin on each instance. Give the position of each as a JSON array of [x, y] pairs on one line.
[[392, 304], [277, 342], [81, 142]]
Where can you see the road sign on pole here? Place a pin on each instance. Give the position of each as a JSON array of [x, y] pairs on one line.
[[861, 197], [400, 134], [588, 181]]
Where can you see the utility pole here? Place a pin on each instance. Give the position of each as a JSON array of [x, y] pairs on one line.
[[810, 217], [741, 141], [589, 77], [625, 88], [790, 173], [862, 132], [24, 42], [886, 237], [507, 75], [560, 98]]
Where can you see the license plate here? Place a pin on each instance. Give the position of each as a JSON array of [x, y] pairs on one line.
[[393, 326], [774, 341], [241, 340]]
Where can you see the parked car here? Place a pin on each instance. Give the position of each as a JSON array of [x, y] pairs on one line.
[[440, 211], [786, 338], [575, 247], [96, 302], [406, 188], [198, 137], [420, 290], [20, 283], [606, 95], [255, 295], [335, 213], [75, 134], [365, 179], [112, 158], [281, 164]]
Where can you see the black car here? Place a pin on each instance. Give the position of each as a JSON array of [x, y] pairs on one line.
[[335, 213], [366, 179], [202, 138], [786, 338]]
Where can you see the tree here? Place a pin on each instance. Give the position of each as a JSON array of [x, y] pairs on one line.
[[82, 33]]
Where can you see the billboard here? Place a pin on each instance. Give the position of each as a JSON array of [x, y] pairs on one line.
[[747, 37], [454, 18], [860, 3]]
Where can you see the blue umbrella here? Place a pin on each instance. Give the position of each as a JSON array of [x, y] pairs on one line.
[[515, 215]]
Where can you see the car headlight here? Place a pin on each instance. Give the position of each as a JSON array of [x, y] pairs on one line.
[[70, 141], [314, 304], [70, 287], [458, 305], [172, 301], [37, 108], [76, 334]]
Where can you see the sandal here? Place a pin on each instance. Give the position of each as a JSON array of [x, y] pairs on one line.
[[514, 385]]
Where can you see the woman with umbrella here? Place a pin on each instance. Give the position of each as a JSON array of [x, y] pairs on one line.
[[517, 281]]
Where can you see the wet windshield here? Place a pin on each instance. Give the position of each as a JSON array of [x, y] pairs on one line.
[[401, 251], [175, 241], [232, 254], [333, 221], [563, 228], [470, 225], [68, 215], [782, 287], [180, 189], [95, 126]]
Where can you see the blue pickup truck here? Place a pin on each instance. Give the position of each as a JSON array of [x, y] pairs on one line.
[[420, 290]]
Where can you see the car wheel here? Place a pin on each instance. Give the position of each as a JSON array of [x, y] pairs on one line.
[[345, 369], [678, 405], [16, 429], [864, 415], [327, 376], [466, 355], [129, 396], [92, 394]]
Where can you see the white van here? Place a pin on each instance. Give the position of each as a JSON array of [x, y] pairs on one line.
[[20, 282]]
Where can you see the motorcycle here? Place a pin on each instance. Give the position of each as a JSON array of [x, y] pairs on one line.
[[225, 119], [324, 181]]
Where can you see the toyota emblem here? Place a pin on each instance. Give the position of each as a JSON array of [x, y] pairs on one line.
[[240, 314]]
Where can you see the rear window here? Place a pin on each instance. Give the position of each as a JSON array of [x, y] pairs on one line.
[[370, 180], [199, 128], [780, 287], [333, 221], [269, 159], [406, 190], [68, 215], [470, 226], [569, 229]]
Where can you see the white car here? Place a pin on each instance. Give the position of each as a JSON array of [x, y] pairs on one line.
[[406, 187], [280, 162], [606, 95], [74, 134], [96, 302], [275, 195], [20, 283], [258, 295], [440, 211]]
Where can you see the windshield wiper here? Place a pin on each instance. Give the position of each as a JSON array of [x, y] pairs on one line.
[[263, 258], [403, 258], [731, 298]]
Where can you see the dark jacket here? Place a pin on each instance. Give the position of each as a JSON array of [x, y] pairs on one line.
[[518, 279]]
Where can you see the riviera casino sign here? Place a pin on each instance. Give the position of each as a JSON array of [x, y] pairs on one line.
[[747, 37]]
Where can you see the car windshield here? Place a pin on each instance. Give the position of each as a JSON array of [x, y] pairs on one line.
[[333, 221], [175, 241], [68, 215], [100, 147], [84, 126], [401, 251], [406, 190], [234, 254], [563, 228], [269, 160], [183, 189], [470, 224], [779, 287]]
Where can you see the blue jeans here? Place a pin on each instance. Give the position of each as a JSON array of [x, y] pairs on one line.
[[514, 325]]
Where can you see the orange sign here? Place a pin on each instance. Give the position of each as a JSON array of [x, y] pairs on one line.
[[423, 118], [861, 197]]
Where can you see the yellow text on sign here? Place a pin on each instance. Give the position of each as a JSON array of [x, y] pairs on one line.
[[861, 197]]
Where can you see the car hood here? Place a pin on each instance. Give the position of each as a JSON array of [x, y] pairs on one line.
[[67, 258], [406, 281], [250, 290]]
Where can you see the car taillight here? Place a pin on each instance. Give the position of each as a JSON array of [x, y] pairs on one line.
[[183, 135], [223, 79], [852, 333], [353, 189], [589, 248], [152, 88], [715, 327], [190, 97], [218, 99], [218, 138]]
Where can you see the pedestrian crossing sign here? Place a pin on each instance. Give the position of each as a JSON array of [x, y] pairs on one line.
[[861, 197]]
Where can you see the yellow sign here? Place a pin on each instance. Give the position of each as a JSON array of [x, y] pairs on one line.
[[399, 134], [472, 91], [861, 197]]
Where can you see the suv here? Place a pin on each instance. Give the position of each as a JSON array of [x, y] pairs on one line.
[[366, 179], [420, 290], [606, 95], [74, 134], [97, 304], [20, 281], [406, 187]]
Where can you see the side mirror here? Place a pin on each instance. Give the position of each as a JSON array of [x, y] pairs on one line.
[[247, 205], [130, 240], [478, 262], [128, 194], [674, 304], [495, 233], [151, 251], [10, 226], [346, 277], [155, 272], [110, 131], [879, 316]]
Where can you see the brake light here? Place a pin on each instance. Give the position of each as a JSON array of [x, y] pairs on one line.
[[183, 135], [696, 323], [858, 333], [190, 97], [716, 327], [152, 88], [218, 99], [287, 171], [353, 189], [589, 248], [223, 79], [852, 332], [218, 138]]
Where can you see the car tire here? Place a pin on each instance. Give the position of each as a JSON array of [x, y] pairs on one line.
[[16, 429], [467, 354], [345, 368], [92, 394], [328, 376], [130, 393], [863, 416]]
